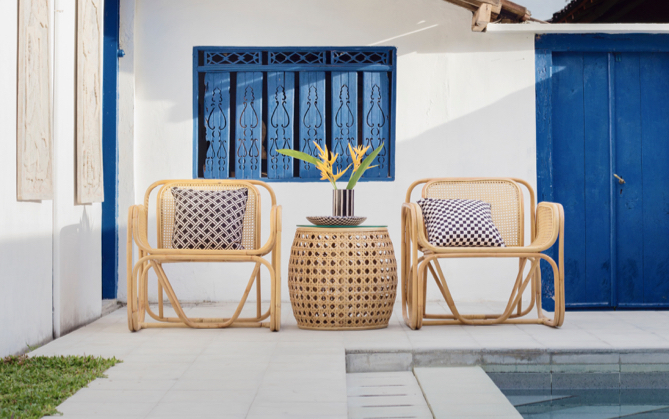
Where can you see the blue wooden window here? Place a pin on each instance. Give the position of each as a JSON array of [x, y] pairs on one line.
[[250, 102]]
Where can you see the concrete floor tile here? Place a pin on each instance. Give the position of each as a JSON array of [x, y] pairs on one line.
[[298, 409], [208, 374], [186, 368], [131, 385], [117, 396], [240, 396], [222, 383], [196, 409], [94, 409]]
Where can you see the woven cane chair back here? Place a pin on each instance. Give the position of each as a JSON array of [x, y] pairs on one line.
[[165, 210], [504, 196]]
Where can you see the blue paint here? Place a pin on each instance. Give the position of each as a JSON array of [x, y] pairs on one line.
[[629, 205], [312, 119], [217, 125], [297, 67], [544, 65], [196, 116], [309, 69], [281, 91], [569, 165], [344, 117], [654, 76], [602, 42], [248, 157], [376, 120], [109, 227], [393, 106], [602, 112]]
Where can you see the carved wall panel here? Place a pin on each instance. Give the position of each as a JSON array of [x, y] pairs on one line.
[[34, 127], [90, 186]]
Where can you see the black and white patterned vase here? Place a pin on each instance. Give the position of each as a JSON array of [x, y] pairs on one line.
[[343, 203]]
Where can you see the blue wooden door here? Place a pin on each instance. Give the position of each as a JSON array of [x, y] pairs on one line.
[[610, 167]]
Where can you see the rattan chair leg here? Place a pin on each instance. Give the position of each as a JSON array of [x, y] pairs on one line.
[[129, 265], [533, 287], [467, 319], [258, 296], [275, 324], [160, 300], [180, 313], [558, 315]]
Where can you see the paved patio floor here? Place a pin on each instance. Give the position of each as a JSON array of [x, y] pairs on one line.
[[254, 373]]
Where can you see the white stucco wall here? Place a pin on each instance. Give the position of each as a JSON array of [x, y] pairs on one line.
[[25, 227], [50, 250], [465, 107], [77, 274]]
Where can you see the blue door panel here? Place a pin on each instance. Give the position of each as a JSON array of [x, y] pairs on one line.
[[629, 205], [569, 165], [609, 115], [654, 82], [597, 188]]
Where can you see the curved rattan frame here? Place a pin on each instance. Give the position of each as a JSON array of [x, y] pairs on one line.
[[154, 258], [547, 227]]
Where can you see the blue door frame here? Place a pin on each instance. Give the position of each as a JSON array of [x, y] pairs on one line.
[[110, 149], [615, 46]]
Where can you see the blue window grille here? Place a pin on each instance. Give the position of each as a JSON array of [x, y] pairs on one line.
[[250, 102]]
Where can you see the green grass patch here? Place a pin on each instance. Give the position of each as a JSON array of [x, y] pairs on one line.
[[33, 387]]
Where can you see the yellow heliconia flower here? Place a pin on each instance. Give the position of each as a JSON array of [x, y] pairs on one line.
[[340, 173], [357, 155], [326, 165]]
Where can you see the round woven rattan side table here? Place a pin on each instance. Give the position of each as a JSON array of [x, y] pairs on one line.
[[342, 278]]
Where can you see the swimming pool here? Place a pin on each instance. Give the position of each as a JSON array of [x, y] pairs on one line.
[[590, 404]]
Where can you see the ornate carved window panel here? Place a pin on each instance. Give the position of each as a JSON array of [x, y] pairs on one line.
[[250, 102]]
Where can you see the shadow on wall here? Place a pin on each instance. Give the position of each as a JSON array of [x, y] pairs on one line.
[[80, 278]]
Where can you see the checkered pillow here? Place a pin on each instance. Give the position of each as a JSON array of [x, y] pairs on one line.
[[459, 223], [209, 220]]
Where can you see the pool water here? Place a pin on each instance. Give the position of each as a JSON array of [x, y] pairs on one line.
[[590, 404]]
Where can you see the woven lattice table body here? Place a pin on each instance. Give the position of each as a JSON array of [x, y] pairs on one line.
[[342, 278]]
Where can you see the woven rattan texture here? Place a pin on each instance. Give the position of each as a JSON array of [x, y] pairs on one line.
[[342, 279], [503, 196], [166, 201], [545, 228]]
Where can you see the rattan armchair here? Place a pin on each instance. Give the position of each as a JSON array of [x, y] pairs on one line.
[[419, 257], [154, 257]]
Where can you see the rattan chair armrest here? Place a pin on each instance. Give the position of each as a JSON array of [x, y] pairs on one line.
[[549, 225], [417, 224], [138, 219], [275, 227]]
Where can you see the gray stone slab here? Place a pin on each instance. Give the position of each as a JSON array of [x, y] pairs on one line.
[[516, 368], [522, 381], [441, 358], [585, 380], [656, 356], [379, 362], [516, 357], [466, 388], [650, 380], [585, 358], [585, 368], [385, 394]]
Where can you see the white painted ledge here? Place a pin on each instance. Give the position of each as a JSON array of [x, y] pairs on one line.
[[515, 28]]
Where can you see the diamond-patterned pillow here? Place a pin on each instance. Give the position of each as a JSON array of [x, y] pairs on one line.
[[209, 220], [459, 223]]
